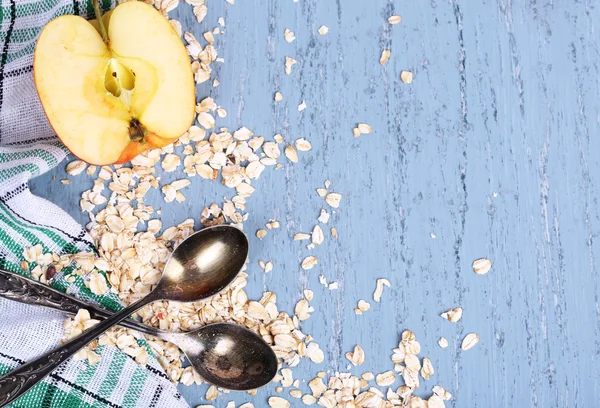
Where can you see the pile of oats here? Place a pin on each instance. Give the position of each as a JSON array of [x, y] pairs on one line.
[[132, 252]]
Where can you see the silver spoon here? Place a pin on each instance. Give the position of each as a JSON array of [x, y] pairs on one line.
[[224, 354], [201, 266]]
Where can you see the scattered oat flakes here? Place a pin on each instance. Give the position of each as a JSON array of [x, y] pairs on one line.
[[323, 30], [207, 172], [309, 262], [427, 369], [288, 378], [289, 35], [221, 112], [385, 379], [271, 150], [406, 77], [356, 357], [170, 162], [412, 362], [385, 56], [368, 376], [308, 294], [317, 235], [482, 266], [301, 236], [176, 26], [303, 310], [66, 181], [302, 106], [272, 224], [442, 342], [364, 128], [317, 386], [206, 105], [242, 133], [323, 216], [394, 19], [206, 120], [289, 63], [334, 232], [453, 315], [315, 354], [333, 199], [379, 288], [209, 37], [291, 154], [200, 12], [302, 145], [469, 341], [278, 402], [278, 96], [261, 233], [362, 306], [75, 167], [97, 283]]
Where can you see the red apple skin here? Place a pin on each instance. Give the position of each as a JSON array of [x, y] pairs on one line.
[[134, 149]]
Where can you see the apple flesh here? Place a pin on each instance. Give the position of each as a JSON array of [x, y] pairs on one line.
[[109, 99]]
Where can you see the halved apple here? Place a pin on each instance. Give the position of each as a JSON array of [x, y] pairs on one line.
[[115, 87]]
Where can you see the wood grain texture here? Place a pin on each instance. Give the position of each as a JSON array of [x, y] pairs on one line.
[[493, 149]]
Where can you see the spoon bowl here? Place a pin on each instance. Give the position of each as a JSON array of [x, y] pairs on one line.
[[203, 264], [229, 356]]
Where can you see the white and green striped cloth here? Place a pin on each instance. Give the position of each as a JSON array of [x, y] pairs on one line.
[[28, 147]]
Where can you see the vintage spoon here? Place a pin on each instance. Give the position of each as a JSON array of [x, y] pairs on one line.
[[201, 266], [224, 354]]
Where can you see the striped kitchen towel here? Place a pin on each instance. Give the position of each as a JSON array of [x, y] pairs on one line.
[[28, 147]]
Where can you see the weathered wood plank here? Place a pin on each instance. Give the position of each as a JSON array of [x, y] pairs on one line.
[[492, 149]]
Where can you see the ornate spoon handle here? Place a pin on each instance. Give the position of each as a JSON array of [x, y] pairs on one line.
[[24, 290], [21, 379]]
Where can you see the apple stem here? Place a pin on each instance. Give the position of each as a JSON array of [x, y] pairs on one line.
[[98, 13]]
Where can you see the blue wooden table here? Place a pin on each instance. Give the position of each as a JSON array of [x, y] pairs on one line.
[[493, 149]]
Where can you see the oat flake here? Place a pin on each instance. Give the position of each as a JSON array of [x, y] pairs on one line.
[[442, 342], [333, 199], [289, 35], [406, 77], [309, 262], [482, 266], [469, 341], [385, 56], [291, 154], [394, 19]]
